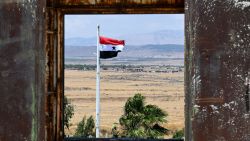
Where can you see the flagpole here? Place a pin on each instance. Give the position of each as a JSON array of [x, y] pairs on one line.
[[97, 83]]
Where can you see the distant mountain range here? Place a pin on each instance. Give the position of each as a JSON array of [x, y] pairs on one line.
[[143, 51], [158, 38], [159, 44]]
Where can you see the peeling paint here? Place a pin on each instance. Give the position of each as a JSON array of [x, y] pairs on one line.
[[242, 4], [30, 6], [219, 40]]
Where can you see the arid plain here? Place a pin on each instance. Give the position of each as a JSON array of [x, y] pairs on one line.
[[164, 89]]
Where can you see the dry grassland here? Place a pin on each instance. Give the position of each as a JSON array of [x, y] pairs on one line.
[[165, 90]]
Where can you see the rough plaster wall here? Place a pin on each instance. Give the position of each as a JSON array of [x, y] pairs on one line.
[[219, 54], [21, 70]]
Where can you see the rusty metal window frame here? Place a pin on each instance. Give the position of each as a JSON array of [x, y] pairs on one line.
[[58, 14]]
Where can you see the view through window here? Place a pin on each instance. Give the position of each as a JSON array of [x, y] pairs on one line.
[[151, 64]]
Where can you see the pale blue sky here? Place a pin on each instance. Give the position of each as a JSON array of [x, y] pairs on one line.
[[84, 26]]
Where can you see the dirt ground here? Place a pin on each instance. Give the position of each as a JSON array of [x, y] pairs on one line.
[[165, 90]]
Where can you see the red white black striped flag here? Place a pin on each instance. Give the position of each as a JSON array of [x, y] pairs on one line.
[[109, 47]]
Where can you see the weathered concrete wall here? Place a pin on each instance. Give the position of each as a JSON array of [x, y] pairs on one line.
[[22, 68], [217, 66]]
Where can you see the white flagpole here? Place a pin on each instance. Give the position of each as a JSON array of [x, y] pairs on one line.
[[97, 83]]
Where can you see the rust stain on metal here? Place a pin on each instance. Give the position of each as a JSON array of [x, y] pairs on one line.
[[120, 6], [60, 75], [110, 2]]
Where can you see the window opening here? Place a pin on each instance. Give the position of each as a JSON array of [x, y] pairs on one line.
[[151, 64]]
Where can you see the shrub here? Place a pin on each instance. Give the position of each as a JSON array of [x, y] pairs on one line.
[[179, 134], [86, 128], [68, 112]]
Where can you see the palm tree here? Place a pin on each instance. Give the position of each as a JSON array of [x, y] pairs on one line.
[[142, 121]]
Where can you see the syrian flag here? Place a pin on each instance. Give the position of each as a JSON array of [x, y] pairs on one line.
[[109, 47]]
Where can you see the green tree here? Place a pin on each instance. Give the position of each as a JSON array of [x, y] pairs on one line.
[[86, 128], [179, 134], [142, 121], [68, 112]]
